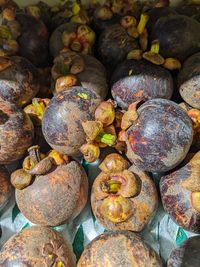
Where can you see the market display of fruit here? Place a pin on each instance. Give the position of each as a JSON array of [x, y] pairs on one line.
[[99, 111]]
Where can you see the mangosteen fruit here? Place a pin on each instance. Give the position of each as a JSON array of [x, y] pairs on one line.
[[189, 81], [33, 41], [71, 68], [159, 136], [122, 198], [119, 249], [72, 36], [186, 255], [5, 186], [178, 36], [19, 80], [61, 123], [140, 80], [180, 193], [114, 44], [47, 192], [16, 133], [37, 246]]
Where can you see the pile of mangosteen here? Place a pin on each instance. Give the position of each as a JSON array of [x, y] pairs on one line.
[[113, 85]]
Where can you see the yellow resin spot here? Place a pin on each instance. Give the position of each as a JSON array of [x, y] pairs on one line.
[[83, 95]]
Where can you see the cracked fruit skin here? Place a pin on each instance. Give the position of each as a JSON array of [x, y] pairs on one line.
[[56, 197], [37, 246], [186, 255], [33, 42], [189, 81], [5, 187], [16, 132], [63, 131], [171, 31], [177, 197], [19, 81], [140, 80], [116, 212], [119, 249], [161, 136]]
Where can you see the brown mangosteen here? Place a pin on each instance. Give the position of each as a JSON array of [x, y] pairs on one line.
[[61, 123], [140, 80], [72, 36], [119, 249], [19, 80], [5, 187], [156, 13], [189, 81], [71, 68], [37, 246], [16, 133], [122, 198], [114, 45], [171, 34], [180, 192], [50, 191], [189, 10], [186, 255], [159, 136]]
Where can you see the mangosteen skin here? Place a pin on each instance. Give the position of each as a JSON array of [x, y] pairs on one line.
[[37, 246], [19, 82], [178, 35], [61, 123], [161, 136], [177, 200], [114, 44], [119, 249], [55, 198], [99, 25], [189, 81], [186, 255], [33, 42], [5, 187], [16, 132], [55, 42], [140, 80], [156, 13]]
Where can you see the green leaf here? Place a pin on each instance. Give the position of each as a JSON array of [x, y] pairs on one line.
[[181, 236], [15, 212], [78, 244], [26, 226]]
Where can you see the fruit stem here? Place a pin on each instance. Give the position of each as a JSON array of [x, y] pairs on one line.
[[155, 47], [106, 138], [110, 186], [39, 107], [34, 153], [142, 23]]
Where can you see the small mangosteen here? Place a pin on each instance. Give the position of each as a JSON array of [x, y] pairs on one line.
[[19, 80], [72, 36], [189, 81], [63, 130], [180, 193], [119, 249], [171, 34], [114, 44], [49, 190], [16, 133], [71, 68], [5, 187], [37, 246], [122, 198], [186, 255], [159, 135], [140, 80]]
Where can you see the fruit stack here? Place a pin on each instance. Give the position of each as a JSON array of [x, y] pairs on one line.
[[115, 83]]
